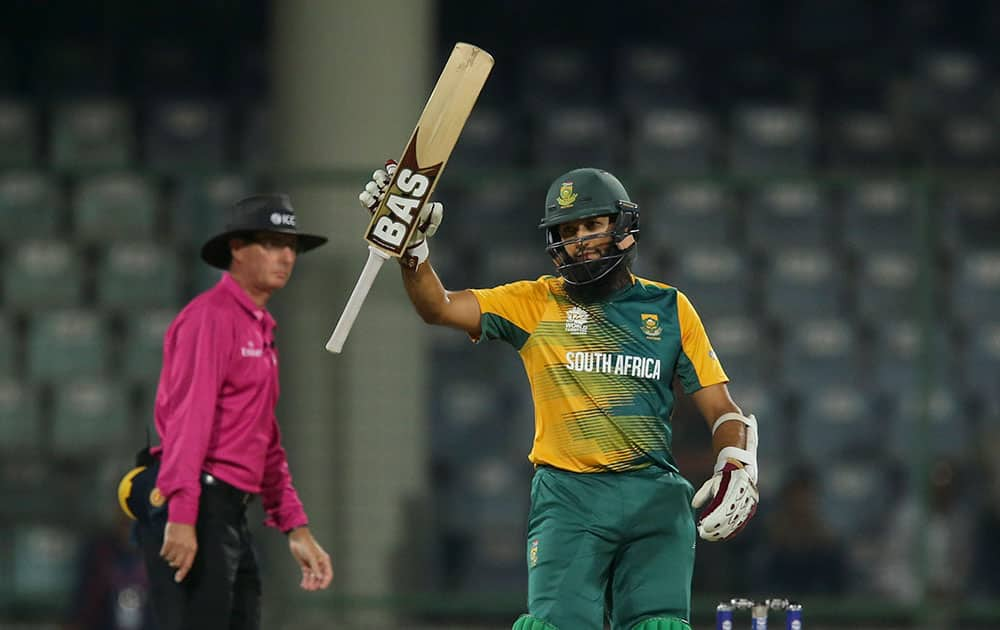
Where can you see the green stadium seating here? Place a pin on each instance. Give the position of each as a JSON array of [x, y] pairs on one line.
[[43, 274], [67, 343], [8, 346], [183, 134], [143, 344], [18, 134], [137, 275], [43, 565], [20, 419], [200, 206], [30, 205], [203, 277], [90, 417], [91, 134], [118, 206]]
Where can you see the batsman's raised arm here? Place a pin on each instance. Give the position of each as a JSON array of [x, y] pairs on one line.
[[434, 303], [437, 305]]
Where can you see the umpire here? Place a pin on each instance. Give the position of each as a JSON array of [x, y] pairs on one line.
[[220, 447]]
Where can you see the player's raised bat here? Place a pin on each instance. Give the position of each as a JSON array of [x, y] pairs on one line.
[[394, 220]]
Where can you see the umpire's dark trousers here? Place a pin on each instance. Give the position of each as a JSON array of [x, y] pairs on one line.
[[222, 590]]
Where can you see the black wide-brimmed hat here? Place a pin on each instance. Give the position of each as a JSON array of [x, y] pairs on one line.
[[257, 213]]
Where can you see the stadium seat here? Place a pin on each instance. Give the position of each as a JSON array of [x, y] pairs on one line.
[[460, 414], [949, 81], [981, 357], [862, 141], [570, 136], [491, 138], [199, 207], [879, 215], [849, 490], [835, 421], [886, 285], [202, 277], [802, 282], [67, 66], [185, 134], [668, 143], [975, 287], [20, 419], [948, 430], [9, 342], [136, 276], [117, 206], [19, 141], [43, 274], [44, 565], [971, 212], [820, 352], [689, 215], [143, 344], [771, 141], [964, 141], [740, 343], [650, 77], [31, 205], [718, 282], [256, 140], [788, 214], [90, 418], [91, 134], [66, 343], [899, 359], [167, 67], [559, 77]]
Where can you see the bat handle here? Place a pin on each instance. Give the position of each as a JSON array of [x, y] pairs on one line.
[[365, 280]]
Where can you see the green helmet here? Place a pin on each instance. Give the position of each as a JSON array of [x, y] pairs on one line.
[[580, 194]]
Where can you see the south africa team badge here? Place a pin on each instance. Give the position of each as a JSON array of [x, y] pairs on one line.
[[651, 325]]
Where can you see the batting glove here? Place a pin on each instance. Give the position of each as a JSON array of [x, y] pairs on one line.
[[734, 499], [731, 493], [428, 220]]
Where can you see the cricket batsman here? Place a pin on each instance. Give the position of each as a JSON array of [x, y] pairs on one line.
[[611, 528]]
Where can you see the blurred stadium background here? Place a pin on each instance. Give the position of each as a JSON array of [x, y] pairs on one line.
[[819, 177]]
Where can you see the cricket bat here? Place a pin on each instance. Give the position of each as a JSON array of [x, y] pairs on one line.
[[394, 221]]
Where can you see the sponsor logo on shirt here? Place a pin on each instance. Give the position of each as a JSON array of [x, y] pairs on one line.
[[617, 364], [251, 351], [651, 325], [576, 321]]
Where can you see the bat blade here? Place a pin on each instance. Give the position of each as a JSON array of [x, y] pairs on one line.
[[394, 221]]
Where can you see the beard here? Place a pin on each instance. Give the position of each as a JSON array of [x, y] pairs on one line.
[[598, 290]]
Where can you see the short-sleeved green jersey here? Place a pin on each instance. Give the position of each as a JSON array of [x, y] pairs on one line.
[[601, 373]]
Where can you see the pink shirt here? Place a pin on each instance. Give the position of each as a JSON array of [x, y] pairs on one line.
[[215, 406]]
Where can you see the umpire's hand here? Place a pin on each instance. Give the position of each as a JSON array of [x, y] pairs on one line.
[[317, 571], [180, 545]]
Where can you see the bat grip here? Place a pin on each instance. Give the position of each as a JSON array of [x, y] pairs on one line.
[[365, 280]]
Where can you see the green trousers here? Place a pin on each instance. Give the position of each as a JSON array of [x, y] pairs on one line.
[[615, 545]]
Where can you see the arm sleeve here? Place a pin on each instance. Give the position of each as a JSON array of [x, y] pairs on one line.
[[278, 496], [698, 366], [510, 312], [192, 376]]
